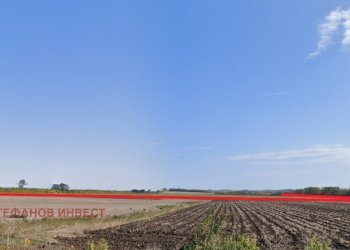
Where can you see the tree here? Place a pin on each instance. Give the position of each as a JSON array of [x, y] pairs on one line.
[[55, 187], [64, 187], [312, 190], [22, 183], [330, 190], [61, 187]]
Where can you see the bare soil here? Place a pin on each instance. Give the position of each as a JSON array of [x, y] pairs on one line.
[[45, 230], [275, 225], [110, 206]]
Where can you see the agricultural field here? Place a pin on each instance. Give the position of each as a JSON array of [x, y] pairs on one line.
[[229, 225], [110, 206], [20, 232]]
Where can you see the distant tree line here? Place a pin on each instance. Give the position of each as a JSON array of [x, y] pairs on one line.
[[60, 187], [138, 190], [187, 190], [144, 191], [250, 192], [324, 190]]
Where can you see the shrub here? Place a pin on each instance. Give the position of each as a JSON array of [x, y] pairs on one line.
[[209, 236], [316, 244], [102, 244]]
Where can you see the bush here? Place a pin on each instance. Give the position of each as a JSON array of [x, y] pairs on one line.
[[60, 187], [316, 244], [100, 245], [229, 243], [209, 236]]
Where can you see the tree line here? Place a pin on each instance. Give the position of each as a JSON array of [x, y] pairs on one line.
[[324, 190]]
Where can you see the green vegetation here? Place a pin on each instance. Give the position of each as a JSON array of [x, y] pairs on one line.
[[187, 190], [209, 236], [324, 190], [100, 245], [316, 244], [229, 243], [61, 187]]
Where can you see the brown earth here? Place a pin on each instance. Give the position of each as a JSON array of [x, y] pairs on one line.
[[275, 225], [46, 229], [110, 206]]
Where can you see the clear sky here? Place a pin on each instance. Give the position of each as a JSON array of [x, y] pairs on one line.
[[194, 94]]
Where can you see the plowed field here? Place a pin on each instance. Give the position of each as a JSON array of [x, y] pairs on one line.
[[275, 225]]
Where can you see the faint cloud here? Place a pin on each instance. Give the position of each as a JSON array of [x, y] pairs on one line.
[[333, 21], [195, 148], [151, 144], [274, 94], [337, 154]]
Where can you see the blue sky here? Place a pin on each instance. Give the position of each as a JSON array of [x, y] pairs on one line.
[[193, 94]]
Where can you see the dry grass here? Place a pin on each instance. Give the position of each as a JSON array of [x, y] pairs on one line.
[[19, 233]]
